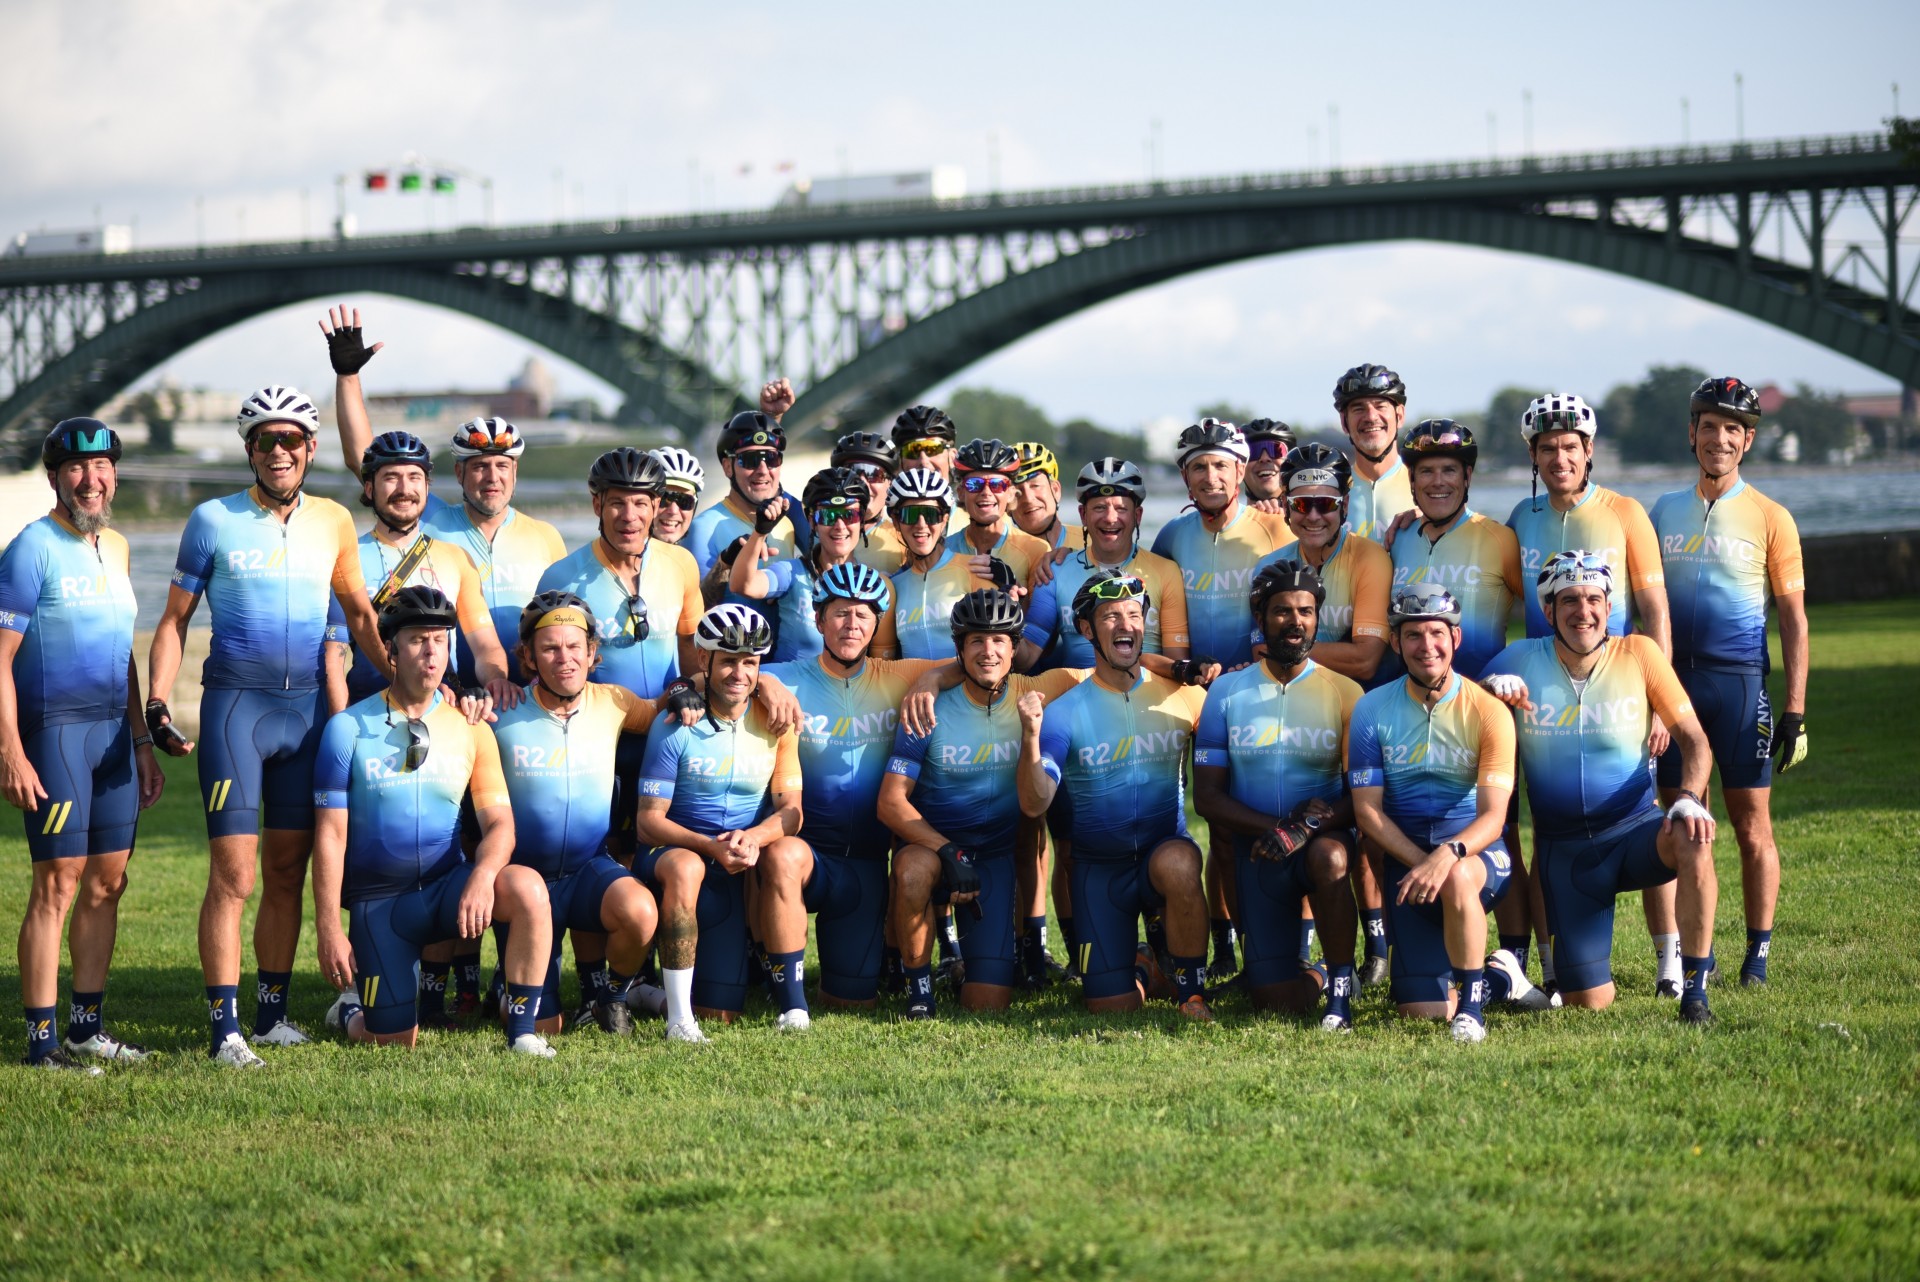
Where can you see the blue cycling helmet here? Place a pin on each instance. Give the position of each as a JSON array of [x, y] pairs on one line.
[[852, 581], [392, 449]]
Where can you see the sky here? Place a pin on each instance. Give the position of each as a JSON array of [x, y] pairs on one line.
[[232, 118]]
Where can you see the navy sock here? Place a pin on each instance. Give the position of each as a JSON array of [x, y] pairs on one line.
[[271, 1006], [595, 983], [523, 1008], [1373, 922], [222, 1001], [789, 972], [1189, 977], [40, 1039], [1306, 940], [1759, 944], [949, 936], [1517, 945], [1693, 978], [1473, 991], [1066, 931], [1033, 943], [1224, 939], [433, 990], [614, 985], [466, 966], [920, 988], [550, 988], [890, 964], [83, 1016], [1340, 992], [1499, 984], [1157, 934]]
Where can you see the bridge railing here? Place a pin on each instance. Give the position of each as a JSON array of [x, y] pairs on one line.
[[482, 238]]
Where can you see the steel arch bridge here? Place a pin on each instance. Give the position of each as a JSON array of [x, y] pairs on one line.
[[866, 306]]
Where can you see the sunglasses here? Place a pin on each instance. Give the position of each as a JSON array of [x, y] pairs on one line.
[[675, 498], [991, 483], [1129, 588], [418, 741], [1564, 419], [871, 471], [1275, 450], [836, 514], [918, 515], [1428, 442], [1372, 383], [637, 625], [1316, 504], [264, 442], [480, 439], [926, 447], [754, 459]]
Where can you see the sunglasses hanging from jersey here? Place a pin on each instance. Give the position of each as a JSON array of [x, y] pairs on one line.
[[410, 560]]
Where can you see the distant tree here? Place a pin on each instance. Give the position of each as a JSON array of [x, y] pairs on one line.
[[1821, 420], [1082, 441], [159, 410], [983, 412], [1904, 133], [1655, 430], [1227, 410], [1500, 441]]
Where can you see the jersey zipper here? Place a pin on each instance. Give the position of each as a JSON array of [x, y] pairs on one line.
[[286, 612]]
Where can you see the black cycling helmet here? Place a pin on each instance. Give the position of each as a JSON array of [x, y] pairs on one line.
[[393, 449], [1316, 464], [1284, 576], [1363, 381], [923, 422], [750, 429], [986, 455], [1727, 396], [416, 607], [1269, 429], [1109, 584], [548, 602], [986, 610], [865, 447], [1439, 438], [1109, 476], [831, 483], [73, 438], [627, 469]]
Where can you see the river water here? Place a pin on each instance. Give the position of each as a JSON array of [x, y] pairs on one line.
[[1822, 500]]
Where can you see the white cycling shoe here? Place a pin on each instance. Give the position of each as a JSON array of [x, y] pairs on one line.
[[1468, 1029], [531, 1044], [233, 1052], [106, 1046], [283, 1033], [687, 1030], [796, 1020]]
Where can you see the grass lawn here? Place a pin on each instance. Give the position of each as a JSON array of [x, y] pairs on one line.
[[1783, 1142]]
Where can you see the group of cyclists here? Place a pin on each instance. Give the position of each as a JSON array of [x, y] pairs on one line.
[[908, 703]]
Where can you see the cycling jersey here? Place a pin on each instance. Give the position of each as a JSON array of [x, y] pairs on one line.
[[1372, 505], [1283, 743], [670, 588], [267, 583], [1166, 615], [1478, 560], [1357, 576], [403, 826], [881, 548], [1015, 546], [790, 586], [1584, 751], [719, 776], [963, 772], [1121, 756], [1602, 521], [918, 626], [1217, 570], [1430, 762], [509, 566], [71, 599], [732, 516], [1723, 560], [560, 771], [846, 733], [445, 567]]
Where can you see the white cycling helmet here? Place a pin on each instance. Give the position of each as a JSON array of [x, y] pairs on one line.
[[479, 436], [1558, 412], [1419, 602], [1573, 568], [732, 628], [681, 466], [278, 404], [919, 485], [1210, 436]]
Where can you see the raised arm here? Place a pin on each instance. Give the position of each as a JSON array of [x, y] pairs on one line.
[[348, 352]]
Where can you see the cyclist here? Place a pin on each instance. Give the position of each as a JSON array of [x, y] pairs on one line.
[[269, 559], [1117, 745], [1372, 404], [1269, 769], [1584, 700], [833, 502], [387, 784], [715, 796], [1268, 443], [73, 739], [925, 437], [679, 494], [752, 447], [1112, 496], [1729, 551], [934, 577], [1430, 767], [877, 460], [1034, 501]]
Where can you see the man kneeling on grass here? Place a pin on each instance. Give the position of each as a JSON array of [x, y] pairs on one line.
[[387, 787]]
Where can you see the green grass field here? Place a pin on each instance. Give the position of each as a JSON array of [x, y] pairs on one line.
[[1783, 1142]]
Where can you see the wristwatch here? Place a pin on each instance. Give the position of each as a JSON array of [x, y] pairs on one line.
[[1459, 849]]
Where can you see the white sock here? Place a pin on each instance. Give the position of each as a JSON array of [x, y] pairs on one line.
[[679, 985], [1666, 956], [649, 999]]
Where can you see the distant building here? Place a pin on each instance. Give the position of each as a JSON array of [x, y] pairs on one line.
[[528, 396]]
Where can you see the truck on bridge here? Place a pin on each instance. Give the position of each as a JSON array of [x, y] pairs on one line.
[[112, 239], [942, 182]]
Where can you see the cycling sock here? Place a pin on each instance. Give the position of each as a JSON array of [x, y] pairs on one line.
[[1693, 978], [1473, 991], [40, 1039], [1518, 945], [433, 990], [221, 1002], [596, 983], [1373, 922], [1499, 984], [1157, 934], [949, 937], [920, 989], [1189, 977], [613, 985], [1340, 992], [789, 978], [1223, 942], [271, 1004], [467, 965], [1033, 944], [1306, 940], [1759, 944], [523, 1009], [1666, 958], [679, 986], [84, 1017]]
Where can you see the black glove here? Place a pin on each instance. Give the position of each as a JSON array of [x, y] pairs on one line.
[[1002, 574], [1187, 671], [958, 876], [1289, 835], [764, 517], [348, 352], [160, 726], [680, 696], [1789, 741], [731, 553]]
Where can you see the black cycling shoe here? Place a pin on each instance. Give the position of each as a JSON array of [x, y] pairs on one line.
[[58, 1060], [1666, 989], [1373, 972], [1750, 980], [1058, 974], [951, 970], [613, 1017], [1695, 1012]]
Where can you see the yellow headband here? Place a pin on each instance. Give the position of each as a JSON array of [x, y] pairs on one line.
[[564, 616]]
